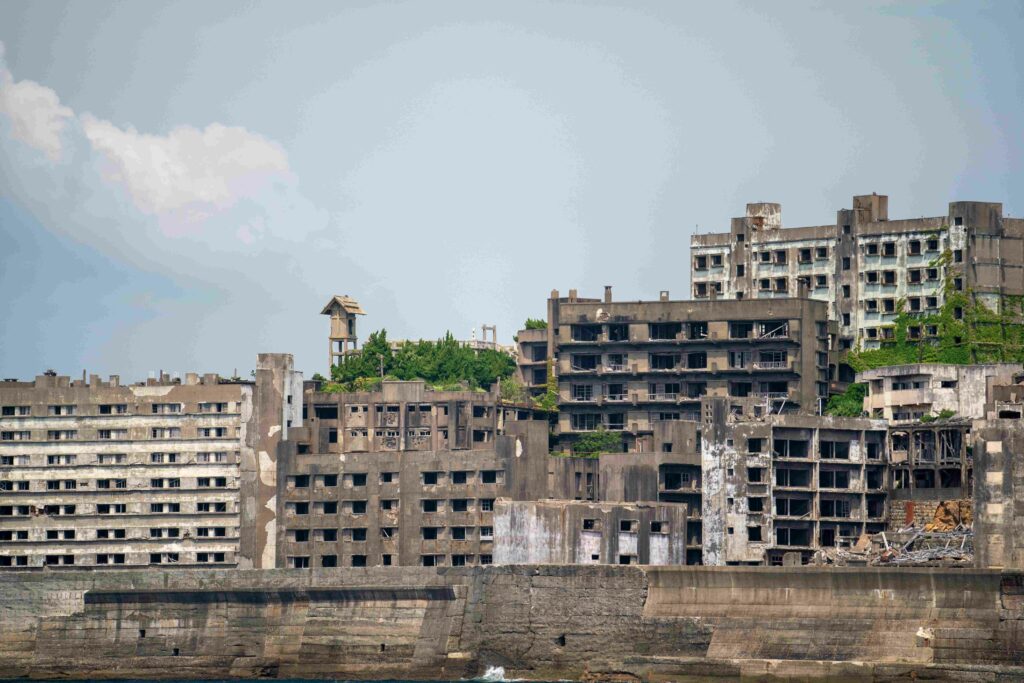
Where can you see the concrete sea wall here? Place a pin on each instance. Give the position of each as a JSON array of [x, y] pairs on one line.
[[539, 622]]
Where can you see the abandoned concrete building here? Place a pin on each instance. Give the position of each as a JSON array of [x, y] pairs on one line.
[[575, 532], [404, 476], [931, 410], [628, 366], [903, 393], [532, 360], [864, 264], [998, 489], [1005, 400], [789, 484], [94, 473]]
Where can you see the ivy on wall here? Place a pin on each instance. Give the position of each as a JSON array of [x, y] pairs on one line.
[[966, 330]]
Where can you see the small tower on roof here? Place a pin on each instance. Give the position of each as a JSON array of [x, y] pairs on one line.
[[342, 339]]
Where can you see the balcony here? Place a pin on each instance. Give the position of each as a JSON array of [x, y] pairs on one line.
[[900, 397], [772, 364], [771, 395]]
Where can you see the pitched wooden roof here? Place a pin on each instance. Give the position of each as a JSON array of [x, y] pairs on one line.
[[347, 303]]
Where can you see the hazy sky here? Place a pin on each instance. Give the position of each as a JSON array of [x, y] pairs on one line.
[[183, 185]]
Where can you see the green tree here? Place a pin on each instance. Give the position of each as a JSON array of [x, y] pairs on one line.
[[511, 390], [535, 324], [848, 404], [445, 362], [600, 441]]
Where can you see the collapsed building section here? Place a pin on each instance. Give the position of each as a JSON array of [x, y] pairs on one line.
[[777, 490]]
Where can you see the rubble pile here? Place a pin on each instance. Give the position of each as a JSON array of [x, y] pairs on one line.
[[947, 540]]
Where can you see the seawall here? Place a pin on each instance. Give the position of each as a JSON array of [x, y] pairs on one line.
[[539, 622]]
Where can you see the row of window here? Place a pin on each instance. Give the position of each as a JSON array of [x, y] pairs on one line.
[[359, 507], [64, 510], [75, 484], [889, 248], [121, 459], [913, 332], [388, 559], [678, 331], [359, 479], [14, 535], [112, 409], [360, 534], [626, 526], [780, 257], [119, 434], [102, 559], [389, 437], [329, 411]]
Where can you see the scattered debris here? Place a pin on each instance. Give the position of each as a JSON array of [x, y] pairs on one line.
[[947, 540], [949, 514]]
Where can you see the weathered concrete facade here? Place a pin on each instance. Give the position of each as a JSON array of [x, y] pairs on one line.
[[97, 474], [575, 532], [630, 366], [532, 360], [789, 485], [865, 263], [903, 393], [538, 622], [998, 491], [430, 508]]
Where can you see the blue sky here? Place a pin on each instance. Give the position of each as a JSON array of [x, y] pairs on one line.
[[183, 185]]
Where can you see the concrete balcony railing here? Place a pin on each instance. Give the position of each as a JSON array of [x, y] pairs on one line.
[[771, 395], [900, 397], [772, 364]]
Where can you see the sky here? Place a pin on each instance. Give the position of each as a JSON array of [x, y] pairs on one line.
[[184, 185]]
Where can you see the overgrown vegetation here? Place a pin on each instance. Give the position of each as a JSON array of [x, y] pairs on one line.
[[944, 414], [848, 404], [549, 399], [511, 390], [444, 364], [535, 324], [600, 441], [962, 331]]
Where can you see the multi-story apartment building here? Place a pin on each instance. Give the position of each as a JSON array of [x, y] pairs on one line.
[[405, 476], [789, 484], [628, 366], [865, 264], [94, 473]]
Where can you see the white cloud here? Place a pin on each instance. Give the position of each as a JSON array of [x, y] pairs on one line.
[[37, 117], [188, 174]]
